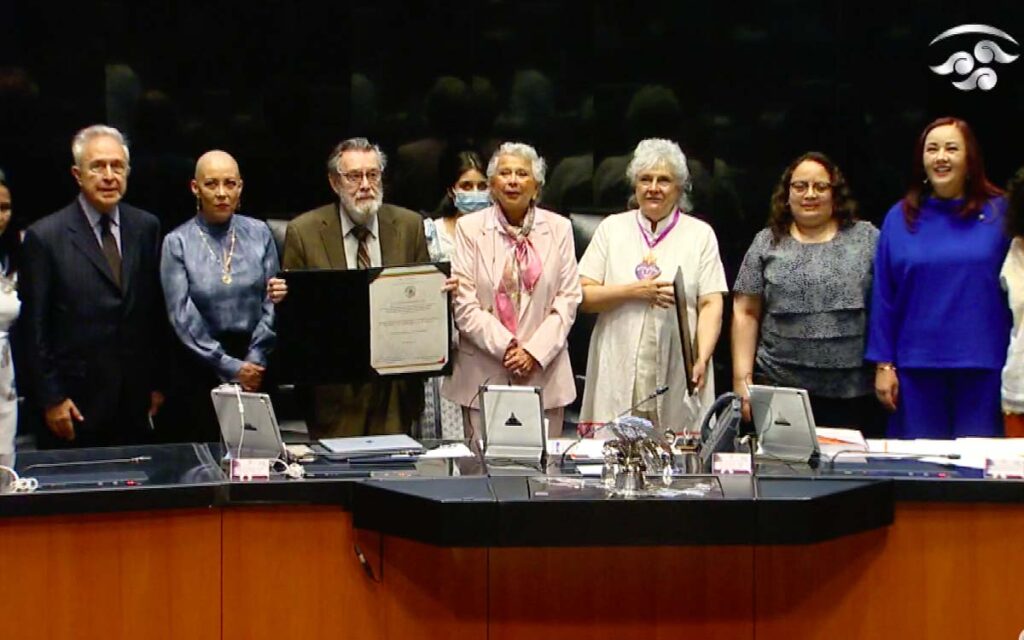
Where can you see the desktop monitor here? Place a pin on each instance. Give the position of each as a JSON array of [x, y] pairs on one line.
[[261, 436], [784, 423], [513, 422]]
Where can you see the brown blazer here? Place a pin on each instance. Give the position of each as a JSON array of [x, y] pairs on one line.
[[313, 241]]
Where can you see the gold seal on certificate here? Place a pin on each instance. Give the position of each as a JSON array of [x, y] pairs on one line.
[[409, 320]]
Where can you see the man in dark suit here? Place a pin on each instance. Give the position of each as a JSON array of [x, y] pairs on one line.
[[92, 311], [358, 232]]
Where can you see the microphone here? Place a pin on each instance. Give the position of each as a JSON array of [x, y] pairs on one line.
[[888, 454], [660, 391], [654, 394], [479, 441], [80, 463]]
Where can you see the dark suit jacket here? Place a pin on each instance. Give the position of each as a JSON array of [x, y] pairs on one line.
[[314, 241], [86, 338]]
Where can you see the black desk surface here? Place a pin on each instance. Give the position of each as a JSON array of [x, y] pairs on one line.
[[512, 511], [174, 476], [467, 504]]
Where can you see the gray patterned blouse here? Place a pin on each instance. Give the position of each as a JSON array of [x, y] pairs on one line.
[[814, 309]]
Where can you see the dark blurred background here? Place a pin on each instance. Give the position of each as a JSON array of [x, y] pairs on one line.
[[278, 83], [743, 87]]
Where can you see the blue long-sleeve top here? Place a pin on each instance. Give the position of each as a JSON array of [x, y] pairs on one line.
[[936, 301], [201, 306]]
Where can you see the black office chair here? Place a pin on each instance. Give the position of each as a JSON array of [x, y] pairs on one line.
[[278, 227], [583, 227], [287, 403]]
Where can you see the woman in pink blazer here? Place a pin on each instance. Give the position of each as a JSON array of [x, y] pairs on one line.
[[517, 294]]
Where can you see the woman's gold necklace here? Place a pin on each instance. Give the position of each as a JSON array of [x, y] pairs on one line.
[[228, 255]]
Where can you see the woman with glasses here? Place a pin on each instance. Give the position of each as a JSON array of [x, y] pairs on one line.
[[800, 301], [518, 289], [214, 269], [939, 319], [626, 275], [467, 193], [10, 306]]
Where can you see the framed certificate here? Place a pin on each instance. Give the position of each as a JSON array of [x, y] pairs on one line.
[[685, 337], [355, 325], [410, 321]]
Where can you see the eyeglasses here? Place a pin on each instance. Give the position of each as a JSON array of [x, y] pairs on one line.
[[100, 167], [800, 187], [356, 177]]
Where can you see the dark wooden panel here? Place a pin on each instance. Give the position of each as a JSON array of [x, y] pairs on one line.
[[621, 593], [291, 571], [153, 575], [434, 592], [941, 571]]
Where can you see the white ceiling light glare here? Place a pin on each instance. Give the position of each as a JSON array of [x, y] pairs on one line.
[[975, 64]]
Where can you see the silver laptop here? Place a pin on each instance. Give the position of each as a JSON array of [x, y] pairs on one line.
[[261, 435], [784, 423], [372, 445], [513, 422]]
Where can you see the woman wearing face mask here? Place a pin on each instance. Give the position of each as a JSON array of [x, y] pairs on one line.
[[939, 323], [9, 308], [214, 269], [467, 193], [801, 298]]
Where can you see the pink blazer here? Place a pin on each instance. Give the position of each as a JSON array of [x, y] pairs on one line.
[[544, 321]]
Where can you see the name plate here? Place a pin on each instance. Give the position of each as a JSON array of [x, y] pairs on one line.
[[731, 463], [1004, 468], [246, 469]]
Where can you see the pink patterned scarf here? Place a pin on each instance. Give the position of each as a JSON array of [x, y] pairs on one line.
[[522, 268]]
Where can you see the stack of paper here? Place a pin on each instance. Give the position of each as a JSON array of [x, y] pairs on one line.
[[833, 441], [579, 449]]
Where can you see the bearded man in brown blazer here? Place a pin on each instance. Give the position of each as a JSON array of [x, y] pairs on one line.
[[358, 232]]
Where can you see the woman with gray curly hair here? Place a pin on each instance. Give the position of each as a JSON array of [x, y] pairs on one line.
[[626, 275], [518, 289]]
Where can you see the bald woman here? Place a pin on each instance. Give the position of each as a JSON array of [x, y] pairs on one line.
[[214, 269]]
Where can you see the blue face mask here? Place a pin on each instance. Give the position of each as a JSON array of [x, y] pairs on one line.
[[470, 201]]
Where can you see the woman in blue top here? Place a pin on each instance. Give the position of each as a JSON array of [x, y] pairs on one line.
[[214, 270], [939, 322]]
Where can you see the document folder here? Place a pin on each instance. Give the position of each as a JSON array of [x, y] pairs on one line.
[[323, 327]]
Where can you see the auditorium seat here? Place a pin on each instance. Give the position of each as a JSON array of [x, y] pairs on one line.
[[278, 226], [583, 227]]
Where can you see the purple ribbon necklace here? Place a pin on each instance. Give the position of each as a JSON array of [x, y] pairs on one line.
[[648, 267]]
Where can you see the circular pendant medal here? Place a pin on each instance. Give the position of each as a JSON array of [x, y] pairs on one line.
[[648, 268], [226, 278]]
